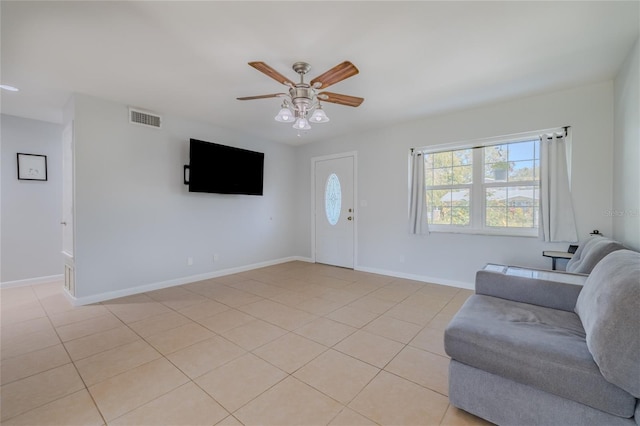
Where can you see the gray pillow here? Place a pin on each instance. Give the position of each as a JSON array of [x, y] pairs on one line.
[[577, 256], [609, 308], [594, 251]]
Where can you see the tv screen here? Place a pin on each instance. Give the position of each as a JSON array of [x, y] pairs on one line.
[[224, 169]]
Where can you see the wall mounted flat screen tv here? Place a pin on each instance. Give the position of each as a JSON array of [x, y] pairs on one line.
[[224, 169]]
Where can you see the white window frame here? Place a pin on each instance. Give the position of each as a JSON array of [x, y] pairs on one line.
[[477, 199]]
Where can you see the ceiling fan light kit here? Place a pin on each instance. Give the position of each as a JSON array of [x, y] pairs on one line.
[[302, 104]]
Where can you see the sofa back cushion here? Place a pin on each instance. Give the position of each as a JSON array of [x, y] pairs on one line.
[[590, 252], [609, 308]]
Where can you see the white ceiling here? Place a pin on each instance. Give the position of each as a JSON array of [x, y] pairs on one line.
[[415, 58]]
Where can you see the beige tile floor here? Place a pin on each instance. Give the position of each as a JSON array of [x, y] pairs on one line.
[[296, 343]]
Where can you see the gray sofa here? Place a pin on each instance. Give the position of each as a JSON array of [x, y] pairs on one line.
[[528, 351]]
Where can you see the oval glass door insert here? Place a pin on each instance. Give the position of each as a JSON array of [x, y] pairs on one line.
[[333, 199]]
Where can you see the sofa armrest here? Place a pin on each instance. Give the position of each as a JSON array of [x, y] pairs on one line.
[[534, 291]]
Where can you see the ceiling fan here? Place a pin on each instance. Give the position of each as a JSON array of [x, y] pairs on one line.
[[303, 98]]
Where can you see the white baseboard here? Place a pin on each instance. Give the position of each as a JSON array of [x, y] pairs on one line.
[[79, 301], [32, 281], [414, 277]]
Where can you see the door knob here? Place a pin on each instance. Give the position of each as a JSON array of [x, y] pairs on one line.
[[349, 218], [63, 223]]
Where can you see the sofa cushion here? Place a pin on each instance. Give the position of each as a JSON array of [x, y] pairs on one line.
[[591, 252], [533, 345], [609, 308]]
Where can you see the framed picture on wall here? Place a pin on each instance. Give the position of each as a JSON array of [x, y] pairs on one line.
[[32, 167]]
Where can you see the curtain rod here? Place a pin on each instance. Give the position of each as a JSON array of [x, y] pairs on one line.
[[496, 140]]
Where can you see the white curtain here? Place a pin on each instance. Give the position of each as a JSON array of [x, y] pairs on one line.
[[558, 222], [417, 211]]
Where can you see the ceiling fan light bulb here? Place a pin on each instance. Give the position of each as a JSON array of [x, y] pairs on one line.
[[319, 116], [285, 116], [301, 124]]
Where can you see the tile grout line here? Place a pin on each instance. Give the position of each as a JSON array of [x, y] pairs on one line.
[[190, 380], [75, 369]]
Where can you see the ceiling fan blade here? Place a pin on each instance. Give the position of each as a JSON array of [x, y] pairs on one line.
[[272, 95], [337, 98], [335, 74], [266, 69]]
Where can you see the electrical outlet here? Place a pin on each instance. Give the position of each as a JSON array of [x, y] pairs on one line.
[[216, 257], [189, 261]]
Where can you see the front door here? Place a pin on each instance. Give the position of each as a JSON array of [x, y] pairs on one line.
[[334, 211]]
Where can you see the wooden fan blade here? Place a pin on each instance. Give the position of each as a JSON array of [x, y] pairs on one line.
[[335, 74], [273, 95], [337, 98], [266, 69]]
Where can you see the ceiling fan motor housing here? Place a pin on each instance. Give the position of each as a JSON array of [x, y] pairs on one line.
[[301, 95]]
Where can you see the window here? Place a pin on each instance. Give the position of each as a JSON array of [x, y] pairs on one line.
[[492, 189], [332, 199]]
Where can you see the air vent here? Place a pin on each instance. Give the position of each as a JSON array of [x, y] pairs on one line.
[[144, 118]]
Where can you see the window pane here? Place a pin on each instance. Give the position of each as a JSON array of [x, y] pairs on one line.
[[455, 206], [332, 199], [434, 207], [512, 207], [496, 197], [460, 215], [496, 172], [496, 163], [512, 162], [521, 170], [442, 176], [428, 177], [449, 168], [522, 151], [428, 161], [448, 207], [520, 217], [496, 217], [522, 196], [442, 159], [462, 175], [463, 157], [496, 154]]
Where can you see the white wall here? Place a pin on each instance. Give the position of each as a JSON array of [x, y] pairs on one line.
[[31, 210], [626, 166], [136, 223], [383, 240]]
